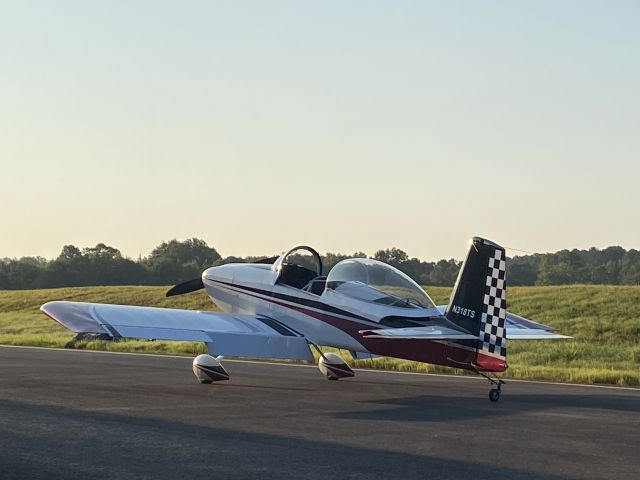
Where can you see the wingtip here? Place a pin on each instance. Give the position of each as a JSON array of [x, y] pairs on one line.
[[46, 307]]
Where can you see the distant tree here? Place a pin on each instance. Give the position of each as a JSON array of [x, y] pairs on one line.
[[102, 251], [23, 273], [231, 259], [445, 272], [421, 272], [69, 269], [393, 256], [630, 268], [600, 274], [254, 258], [70, 252], [558, 268], [175, 261], [612, 254], [523, 270], [426, 269], [330, 260], [414, 268], [99, 265]]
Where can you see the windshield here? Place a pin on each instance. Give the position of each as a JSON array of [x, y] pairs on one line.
[[377, 282]]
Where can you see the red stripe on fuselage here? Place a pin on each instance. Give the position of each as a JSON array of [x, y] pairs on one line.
[[443, 353]]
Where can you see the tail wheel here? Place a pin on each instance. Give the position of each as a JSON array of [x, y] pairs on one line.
[[494, 394]]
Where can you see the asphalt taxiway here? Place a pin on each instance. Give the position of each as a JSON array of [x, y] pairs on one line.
[[77, 414]]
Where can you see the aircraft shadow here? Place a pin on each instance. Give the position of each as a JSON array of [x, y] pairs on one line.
[[44, 442], [432, 408]]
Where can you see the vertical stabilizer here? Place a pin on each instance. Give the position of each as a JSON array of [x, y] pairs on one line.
[[479, 302]]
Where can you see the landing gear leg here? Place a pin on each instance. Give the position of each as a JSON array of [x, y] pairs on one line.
[[318, 350], [494, 393], [332, 365]]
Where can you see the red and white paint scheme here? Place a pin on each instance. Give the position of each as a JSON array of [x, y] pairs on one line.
[[282, 307]]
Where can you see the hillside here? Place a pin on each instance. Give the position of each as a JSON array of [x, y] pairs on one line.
[[605, 321]]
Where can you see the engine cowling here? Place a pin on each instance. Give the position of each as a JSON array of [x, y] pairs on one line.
[[208, 369], [334, 367]]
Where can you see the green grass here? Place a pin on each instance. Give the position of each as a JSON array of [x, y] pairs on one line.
[[605, 321]]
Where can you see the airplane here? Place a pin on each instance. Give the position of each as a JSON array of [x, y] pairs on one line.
[[279, 308]]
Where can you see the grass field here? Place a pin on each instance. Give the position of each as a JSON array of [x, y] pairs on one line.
[[605, 321]]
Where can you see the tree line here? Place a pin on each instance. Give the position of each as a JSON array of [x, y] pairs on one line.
[[176, 261]]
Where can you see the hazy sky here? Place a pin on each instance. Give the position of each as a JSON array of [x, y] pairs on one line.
[[347, 125]]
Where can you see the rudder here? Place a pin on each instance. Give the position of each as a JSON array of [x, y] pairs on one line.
[[478, 302]]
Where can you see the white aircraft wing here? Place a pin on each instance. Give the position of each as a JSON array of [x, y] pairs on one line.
[[230, 334]]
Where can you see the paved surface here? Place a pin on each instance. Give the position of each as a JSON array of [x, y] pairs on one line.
[[75, 414]]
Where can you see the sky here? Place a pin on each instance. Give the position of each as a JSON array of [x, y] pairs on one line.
[[348, 126]]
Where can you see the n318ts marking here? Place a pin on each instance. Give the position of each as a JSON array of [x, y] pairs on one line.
[[465, 312]]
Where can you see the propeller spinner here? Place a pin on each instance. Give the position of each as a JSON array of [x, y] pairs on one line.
[[196, 284]]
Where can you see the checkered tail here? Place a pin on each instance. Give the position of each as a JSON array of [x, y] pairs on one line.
[[478, 301], [494, 307]]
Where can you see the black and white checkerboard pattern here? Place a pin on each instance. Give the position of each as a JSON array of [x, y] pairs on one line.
[[494, 307]]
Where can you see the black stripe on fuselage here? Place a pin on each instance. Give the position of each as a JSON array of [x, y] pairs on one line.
[[327, 308], [300, 301], [278, 327]]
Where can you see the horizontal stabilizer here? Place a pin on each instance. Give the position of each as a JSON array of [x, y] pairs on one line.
[[533, 334], [518, 327], [517, 321], [429, 332]]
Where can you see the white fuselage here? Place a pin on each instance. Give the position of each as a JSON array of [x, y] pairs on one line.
[[324, 319], [252, 289]]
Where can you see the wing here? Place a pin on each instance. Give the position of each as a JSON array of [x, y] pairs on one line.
[[230, 334]]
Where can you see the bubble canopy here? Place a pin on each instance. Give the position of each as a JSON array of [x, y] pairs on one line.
[[374, 281]]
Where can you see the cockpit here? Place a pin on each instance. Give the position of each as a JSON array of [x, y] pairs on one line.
[[359, 278], [301, 267], [373, 281]]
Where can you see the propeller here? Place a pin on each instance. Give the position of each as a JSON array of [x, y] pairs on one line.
[[186, 287], [268, 260], [196, 284]]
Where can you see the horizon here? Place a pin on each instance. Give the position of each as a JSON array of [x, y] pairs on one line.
[[223, 255], [348, 127]]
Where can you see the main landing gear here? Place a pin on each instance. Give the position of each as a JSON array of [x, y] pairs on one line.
[[332, 365], [208, 369]]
